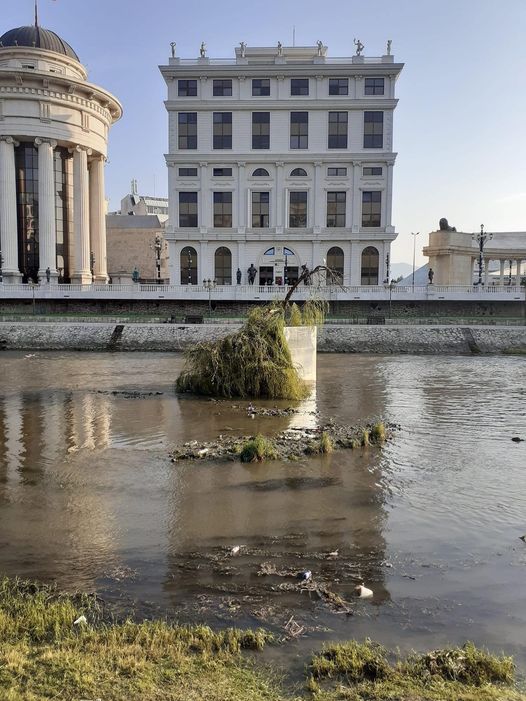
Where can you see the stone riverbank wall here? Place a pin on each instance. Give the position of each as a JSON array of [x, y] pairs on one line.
[[331, 338]]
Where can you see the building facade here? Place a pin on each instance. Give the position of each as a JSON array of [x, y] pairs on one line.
[[280, 158], [143, 205], [54, 128]]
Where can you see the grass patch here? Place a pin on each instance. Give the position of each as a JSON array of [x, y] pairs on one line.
[[378, 433], [356, 671], [365, 436], [326, 444], [258, 449], [254, 362]]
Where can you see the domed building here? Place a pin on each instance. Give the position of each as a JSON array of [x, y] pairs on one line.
[[54, 128]]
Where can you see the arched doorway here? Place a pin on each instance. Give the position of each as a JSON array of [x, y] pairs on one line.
[[335, 262], [188, 266], [223, 266], [278, 265], [370, 265]]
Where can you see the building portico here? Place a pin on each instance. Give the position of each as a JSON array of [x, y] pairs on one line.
[[54, 129]]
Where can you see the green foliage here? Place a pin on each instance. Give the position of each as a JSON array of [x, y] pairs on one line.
[[365, 436], [258, 449], [314, 312], [252, 363]]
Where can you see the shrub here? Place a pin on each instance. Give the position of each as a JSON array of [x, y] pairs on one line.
[[258, 449]]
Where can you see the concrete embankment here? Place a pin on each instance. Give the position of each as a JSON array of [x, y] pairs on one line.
[[331, 338]]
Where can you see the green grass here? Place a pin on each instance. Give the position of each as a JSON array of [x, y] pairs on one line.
[[378, 433], [258, 449], [44, 656]]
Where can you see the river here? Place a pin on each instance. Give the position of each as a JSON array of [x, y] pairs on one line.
[[89, 498]]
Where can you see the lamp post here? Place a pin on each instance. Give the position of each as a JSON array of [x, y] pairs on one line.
[[481, 239], [286, 271], [414, 253], [209, 285], [157, 246], [509, 276]]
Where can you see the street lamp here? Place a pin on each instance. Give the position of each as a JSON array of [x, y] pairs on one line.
[[509, 276], [414, 252], [481, 239], [286, 272], [209, 285], [157, 246]]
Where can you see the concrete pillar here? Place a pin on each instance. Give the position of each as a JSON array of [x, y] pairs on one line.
[[501, 276], [81, 273], [8, 217], [98, 219], [389, 196], [486, 271], [280, 208], [319, 198], [518, 274], [204, 198], [47, 225]]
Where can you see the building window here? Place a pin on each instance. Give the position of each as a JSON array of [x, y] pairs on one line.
[[299, 130], [222, 130], [260, 129], [374, 86], [260, 87], [260, 209], [187, 88], [188, 172], [372, 170], [222, 209], [26, 155], [335, 263], [338, 172], [260, 173], [336, 209], [222, 172], [270, 251], [298, 173], [299, 86], [187, 137], [188, 261], [338, 86], [338, 129], [371, 208], [298, 210], [63, 210], [370, 264], [223, 266], [373, 130], [188, 209], [222, 88]]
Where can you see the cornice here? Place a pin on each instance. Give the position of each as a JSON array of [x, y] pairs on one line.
[[311, 104]]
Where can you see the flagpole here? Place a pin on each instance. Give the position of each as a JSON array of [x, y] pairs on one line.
[[36, 14]]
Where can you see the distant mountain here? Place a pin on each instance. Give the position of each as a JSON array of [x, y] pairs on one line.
[[398, 269]]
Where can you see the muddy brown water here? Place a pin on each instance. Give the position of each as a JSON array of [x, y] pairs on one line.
[[90, 499]]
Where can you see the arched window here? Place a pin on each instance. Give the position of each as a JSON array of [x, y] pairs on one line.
[[370, 264], [288, 252], [260, 173], [223, 266], [270, 251], [298, 172], [188, 266], [335, 263]]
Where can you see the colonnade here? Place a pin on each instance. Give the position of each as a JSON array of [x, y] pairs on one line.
[[89, 235], [511, 263]]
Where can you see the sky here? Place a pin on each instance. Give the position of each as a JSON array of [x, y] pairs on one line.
[[458, 128]]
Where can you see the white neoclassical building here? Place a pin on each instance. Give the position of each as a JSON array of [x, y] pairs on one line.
[[54, 128], [278, 158]]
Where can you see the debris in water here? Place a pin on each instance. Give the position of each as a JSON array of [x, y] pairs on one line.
[[236, 549], [523, 538], [363, 592], [80, 619], [292, 628], [333, 554], [515, 439], [305, 576]]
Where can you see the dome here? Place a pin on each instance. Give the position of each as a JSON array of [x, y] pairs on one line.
[[36, 37]]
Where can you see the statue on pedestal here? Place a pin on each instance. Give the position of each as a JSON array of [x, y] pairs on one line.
[[173, 45], [389, 42], [202, 50], [444, 226], [280, 48], [238, 276], [251, 274], [359, 47], [319, 44], [243, 49]]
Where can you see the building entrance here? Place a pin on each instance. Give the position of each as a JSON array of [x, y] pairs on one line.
[[266, 274]]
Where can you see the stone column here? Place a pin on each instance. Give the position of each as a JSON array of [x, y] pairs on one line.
[[280, 203], [47, 224], [204, 205], [8, 216], [81, 273], [242, 216], [486, 271], [389, 195], [356, 221], [319, 199], [501, 277], [98, 219], [518, 273]]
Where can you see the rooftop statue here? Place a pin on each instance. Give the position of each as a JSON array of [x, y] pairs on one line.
[[280, 48], [173, 45], [202, 50], [389, 42], [444, 226], [319, 44], [243, 49], [359, 47]]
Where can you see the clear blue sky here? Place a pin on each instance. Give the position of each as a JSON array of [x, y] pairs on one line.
[[459, 126]]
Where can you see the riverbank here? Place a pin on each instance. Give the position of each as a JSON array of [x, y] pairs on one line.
[[63, 647], [333, 338]]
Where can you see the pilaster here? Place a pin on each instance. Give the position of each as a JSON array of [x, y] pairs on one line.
[[98, 219], [81, 273]]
